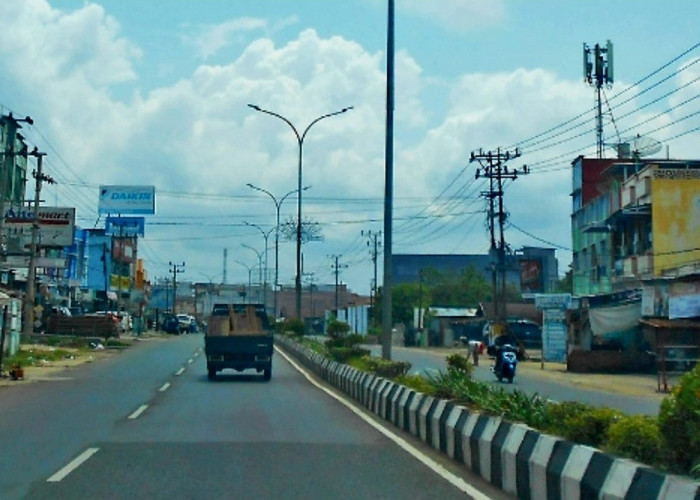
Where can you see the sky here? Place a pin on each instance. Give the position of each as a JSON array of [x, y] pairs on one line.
[[155, 93]]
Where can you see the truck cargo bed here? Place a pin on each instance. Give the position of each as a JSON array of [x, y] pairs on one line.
[[239, 352]]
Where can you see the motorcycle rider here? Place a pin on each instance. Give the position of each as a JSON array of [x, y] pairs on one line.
[[500, 350]]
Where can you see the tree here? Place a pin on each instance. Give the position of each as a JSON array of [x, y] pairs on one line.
[[310, 230], [566, 284]]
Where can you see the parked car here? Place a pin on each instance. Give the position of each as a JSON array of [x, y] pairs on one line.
[[170, 324], [522, 333]]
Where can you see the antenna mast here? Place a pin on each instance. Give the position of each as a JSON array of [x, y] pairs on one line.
[[596, 73]]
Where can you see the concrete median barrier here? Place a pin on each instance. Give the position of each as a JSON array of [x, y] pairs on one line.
[[515, 458]]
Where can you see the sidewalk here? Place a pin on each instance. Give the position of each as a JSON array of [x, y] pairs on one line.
[[45, 371]]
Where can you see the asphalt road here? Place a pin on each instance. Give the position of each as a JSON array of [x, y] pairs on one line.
[[148, 424], [531, 382]]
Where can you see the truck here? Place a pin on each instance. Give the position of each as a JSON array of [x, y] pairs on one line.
[[238, 337]]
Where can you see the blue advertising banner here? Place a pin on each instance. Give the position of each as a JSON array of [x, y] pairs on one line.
[[125, 226]]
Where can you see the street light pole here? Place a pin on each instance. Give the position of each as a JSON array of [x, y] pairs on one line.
[[266, 235], [250, 270], [278, 204], [259, 254], [300, 141]]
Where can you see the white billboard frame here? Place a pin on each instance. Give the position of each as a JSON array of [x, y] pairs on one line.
[[115, 199]]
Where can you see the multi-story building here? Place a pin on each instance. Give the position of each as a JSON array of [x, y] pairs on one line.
[[636, 261], [633, 220]]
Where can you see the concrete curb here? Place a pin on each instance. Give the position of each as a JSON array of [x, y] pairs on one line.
[[517, 459]]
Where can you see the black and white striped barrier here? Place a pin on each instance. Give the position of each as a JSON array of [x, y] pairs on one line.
[[519, 460]]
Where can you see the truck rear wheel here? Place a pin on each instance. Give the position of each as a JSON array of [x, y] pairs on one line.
[[267, 373], [211, 373]]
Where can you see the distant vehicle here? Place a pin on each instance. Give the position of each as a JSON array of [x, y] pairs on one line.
[[520, 332], [76, 310], [184, 322], [194, 327], [170, 324], [239, 337], [60, 310]]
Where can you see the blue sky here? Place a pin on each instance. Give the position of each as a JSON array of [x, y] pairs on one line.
[[154, 93]]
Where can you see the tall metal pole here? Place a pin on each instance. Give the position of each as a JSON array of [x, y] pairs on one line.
[[388, 186], [300, 142]]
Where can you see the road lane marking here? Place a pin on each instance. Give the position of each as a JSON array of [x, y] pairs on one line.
[[164, 387], [453, 479], [190, 361], [74, 464], [196, 354], [138, 412], [180, 371]]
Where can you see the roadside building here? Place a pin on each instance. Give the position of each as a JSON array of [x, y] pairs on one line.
[[636, 259]]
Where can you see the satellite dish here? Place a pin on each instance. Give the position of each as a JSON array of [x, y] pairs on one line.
[[637, 146]]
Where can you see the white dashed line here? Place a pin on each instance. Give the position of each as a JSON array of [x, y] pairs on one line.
[[77, 462], [190, 361], [164, 387], [180, 372], [138, 412], [456, 481]]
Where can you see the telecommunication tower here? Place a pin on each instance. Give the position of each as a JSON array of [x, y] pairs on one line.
[[598, 72]]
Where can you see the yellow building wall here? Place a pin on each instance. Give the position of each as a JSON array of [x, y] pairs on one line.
[[675, 218]]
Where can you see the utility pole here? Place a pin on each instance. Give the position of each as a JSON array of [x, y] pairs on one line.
[[224, 273], [30, 296], [597, 73], [373, 244], [310, 280], [493, 166], [175, 269], [336, 271]]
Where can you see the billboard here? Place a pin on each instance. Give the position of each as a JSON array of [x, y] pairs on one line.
[[56, 227], [531, 280], [125, 226], [127, 200], [684, 300], [675, 218]]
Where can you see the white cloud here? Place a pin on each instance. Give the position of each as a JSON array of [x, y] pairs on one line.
[[199, 144], [210, 39]]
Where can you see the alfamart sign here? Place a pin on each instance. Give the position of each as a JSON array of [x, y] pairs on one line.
[[56, 227], [127, 200]]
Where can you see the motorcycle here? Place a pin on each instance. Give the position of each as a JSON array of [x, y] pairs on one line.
[[506, 363]]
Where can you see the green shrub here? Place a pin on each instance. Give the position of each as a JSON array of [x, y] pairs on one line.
[[387, 368], [590, 426], [636, 437], [294, 325], [344, 341], [343, 354], [679, 423], [336, 328], [460, 364], [417, 383]]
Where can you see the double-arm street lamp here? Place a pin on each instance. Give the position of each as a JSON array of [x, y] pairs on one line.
[[260, 264], [278, 204], [300, 141], [266, 235]]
